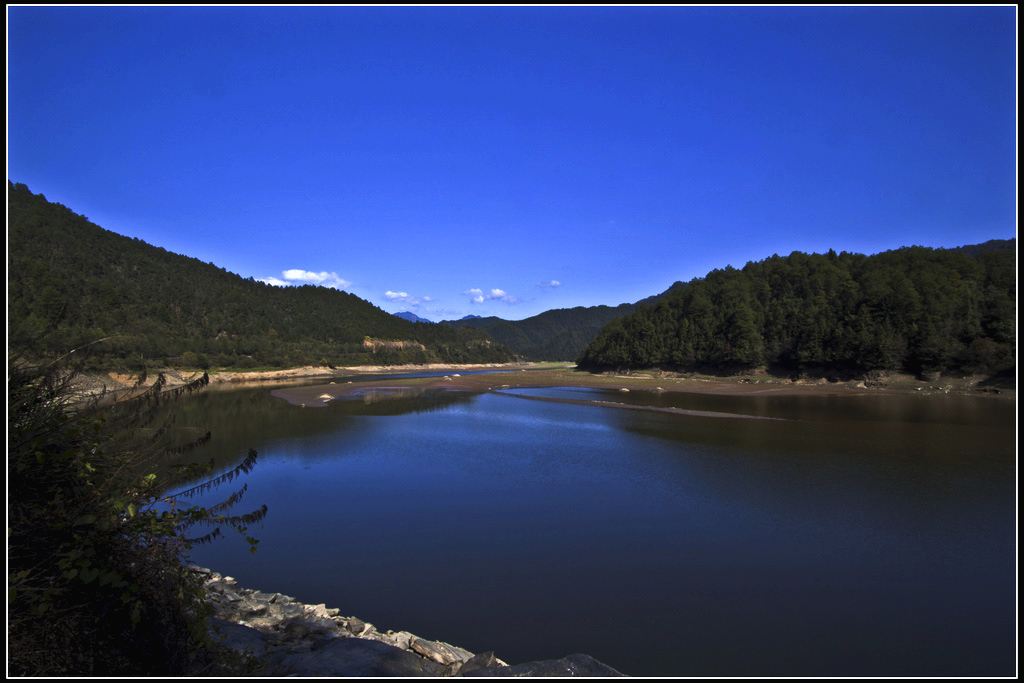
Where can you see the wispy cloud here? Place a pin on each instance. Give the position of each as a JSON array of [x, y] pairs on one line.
[[550, 283], [406, 298], [297, 276], [478, 296]]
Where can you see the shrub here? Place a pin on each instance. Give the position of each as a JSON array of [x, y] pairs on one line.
[[97, 583]]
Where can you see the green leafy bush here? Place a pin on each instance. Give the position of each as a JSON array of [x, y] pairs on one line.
[[97, 583]]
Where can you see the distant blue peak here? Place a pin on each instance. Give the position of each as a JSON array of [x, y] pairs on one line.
[[411, 317]]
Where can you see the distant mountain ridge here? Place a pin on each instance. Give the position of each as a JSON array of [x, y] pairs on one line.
[[558, 334], [71, 283]]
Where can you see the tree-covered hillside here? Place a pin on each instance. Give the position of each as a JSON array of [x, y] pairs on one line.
[[70, 283], [914, 309], [559, 334], [553, 335]]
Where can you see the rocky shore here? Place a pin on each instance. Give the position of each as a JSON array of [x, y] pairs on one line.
[[283, 637]]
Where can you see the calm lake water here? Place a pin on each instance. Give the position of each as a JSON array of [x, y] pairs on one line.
[[855, 536]]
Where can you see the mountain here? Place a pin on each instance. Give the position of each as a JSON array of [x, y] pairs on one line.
[[914, 309], [71, 283], [412, 317], [558, 334]]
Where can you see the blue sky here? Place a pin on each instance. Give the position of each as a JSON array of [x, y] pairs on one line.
[[506, 161]]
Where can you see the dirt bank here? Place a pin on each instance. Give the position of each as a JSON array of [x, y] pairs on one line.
[[549, 375]]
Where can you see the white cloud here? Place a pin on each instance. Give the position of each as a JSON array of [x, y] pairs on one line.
[[406, 298], [308, 277], [323, 278], [477, 296], [502, 295], [550, 283]]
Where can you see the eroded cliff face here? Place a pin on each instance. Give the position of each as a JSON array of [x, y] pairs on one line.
[[287, 638], [375, 344]]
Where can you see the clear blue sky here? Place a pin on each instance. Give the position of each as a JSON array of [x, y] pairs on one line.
[[506, 161]]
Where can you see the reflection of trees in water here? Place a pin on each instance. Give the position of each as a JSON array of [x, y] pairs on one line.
[[252, 418], [399, 400]]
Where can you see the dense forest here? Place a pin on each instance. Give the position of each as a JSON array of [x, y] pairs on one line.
[[915, 309], [71, 283]]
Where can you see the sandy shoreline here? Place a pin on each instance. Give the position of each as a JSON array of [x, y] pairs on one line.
[[322, 371], [346, 379], [566, 376], [93, 384]]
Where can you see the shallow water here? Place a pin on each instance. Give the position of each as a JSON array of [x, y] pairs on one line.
[[856, 535]]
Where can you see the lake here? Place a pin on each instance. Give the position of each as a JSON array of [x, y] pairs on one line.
[[672, 535]]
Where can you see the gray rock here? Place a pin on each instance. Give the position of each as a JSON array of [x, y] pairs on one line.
[[319, 626], [288, 610], [482, 660], [402, 639], [355, 626], [573, 665], [290, 638], [322, 610], [238, 637], [255, 610], [259, 596], [442, 653], [296, 630], [358, 657], [268, 623]]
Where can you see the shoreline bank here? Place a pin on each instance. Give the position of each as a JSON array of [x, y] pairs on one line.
[[550, 375], [661, 382]]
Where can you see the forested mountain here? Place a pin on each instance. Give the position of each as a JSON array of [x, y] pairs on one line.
[[914, 309], [559, 334], [70, 283], [411, 317]]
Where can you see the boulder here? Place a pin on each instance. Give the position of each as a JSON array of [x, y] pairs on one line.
[[482, 660], [573, 665], [238, 637], [442, 653]]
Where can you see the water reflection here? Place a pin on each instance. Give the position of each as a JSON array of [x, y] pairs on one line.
[[840, 541], [900, 408], [248, 418]]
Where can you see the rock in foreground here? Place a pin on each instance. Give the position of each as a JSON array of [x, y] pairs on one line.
[[287, 638]]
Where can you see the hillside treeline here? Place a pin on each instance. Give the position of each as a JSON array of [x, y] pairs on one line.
[[71, 283], [914, 309]]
